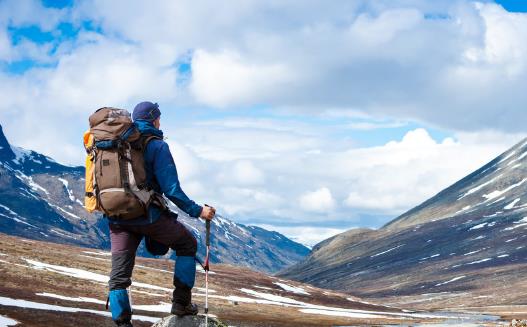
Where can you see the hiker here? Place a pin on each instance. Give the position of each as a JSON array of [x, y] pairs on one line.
[[159, 226]]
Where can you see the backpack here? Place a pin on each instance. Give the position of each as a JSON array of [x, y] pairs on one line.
[[115, 169]]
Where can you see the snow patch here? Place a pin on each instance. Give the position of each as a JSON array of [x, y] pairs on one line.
[[390, 250], [470, 253], [430, 257], [519, 223], [479, 261], [507, 157], [20, 154], [6, 321], [292, 289], [29, 181], [53, 230], [73, 299], [64, 211], [497, 193], [479, 187], [43, 306], [463, 209], [478, 226], [66, 185], [16, 216], [451, 281], [84, 274]]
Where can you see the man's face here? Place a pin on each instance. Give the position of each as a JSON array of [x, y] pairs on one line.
[[157, 123]]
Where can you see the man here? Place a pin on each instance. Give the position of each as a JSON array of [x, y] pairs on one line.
[[158, 226]]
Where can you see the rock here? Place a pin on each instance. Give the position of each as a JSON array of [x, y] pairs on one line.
[[518, 323], [188, 321]]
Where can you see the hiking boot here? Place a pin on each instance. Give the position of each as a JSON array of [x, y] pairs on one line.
[[184, 310]]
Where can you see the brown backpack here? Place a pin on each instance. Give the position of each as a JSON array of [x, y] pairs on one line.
[[118, 182]]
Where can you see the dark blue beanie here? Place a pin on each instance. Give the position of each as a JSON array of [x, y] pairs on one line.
[[146, 111]]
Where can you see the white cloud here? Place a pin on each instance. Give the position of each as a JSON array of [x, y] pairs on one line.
[[31, 13], [320, 200], [307, 235], [244, 172], [269, 169], [368, 126], [225, 79], [395, 177], [464, 71], [189, 164]]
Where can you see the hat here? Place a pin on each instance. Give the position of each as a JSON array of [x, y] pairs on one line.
[[146, 111]]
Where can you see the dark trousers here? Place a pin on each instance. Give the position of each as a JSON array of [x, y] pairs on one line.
[[166, 230]]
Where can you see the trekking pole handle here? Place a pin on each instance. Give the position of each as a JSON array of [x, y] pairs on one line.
[[207, 227], [207, 235]]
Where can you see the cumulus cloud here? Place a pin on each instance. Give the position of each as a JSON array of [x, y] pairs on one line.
[[224, 79], [456, 65], [309, 177], [307, 235], [401, 174], [320, 200]]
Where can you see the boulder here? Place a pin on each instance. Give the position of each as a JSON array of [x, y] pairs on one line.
[[188, 321]]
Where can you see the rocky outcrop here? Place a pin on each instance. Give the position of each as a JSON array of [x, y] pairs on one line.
[[188, 321]]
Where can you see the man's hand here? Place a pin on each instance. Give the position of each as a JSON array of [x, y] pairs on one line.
[[207, 213]]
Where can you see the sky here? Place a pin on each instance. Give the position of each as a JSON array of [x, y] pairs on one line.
[[298, 116]]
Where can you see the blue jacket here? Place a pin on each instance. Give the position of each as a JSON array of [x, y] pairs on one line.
[[162, 176]]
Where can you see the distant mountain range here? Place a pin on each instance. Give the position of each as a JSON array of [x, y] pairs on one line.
[[469, 240], [43, 200]]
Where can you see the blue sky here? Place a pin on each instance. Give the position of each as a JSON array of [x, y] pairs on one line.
[[286, 116], [513, 5]]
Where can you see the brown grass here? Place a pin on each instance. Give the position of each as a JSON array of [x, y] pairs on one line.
[[20, 282]]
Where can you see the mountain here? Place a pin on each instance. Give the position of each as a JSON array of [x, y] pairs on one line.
[[48, 284], [494, 189], [467, 241], [41, 199]]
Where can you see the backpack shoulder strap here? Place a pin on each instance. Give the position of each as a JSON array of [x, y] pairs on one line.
[[157, 198], [145, 139]]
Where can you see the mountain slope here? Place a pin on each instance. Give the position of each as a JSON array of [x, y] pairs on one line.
[[467, 241], [42, 200], [494, 188], [46, 284]]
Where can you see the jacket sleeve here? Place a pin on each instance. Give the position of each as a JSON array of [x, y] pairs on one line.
[[166, 175]]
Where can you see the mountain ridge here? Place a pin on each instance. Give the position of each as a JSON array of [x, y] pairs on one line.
[[43, 200], [467, 240], [406, 218]]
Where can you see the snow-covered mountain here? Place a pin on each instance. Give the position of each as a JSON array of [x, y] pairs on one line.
[[467, 241], [42, 199]]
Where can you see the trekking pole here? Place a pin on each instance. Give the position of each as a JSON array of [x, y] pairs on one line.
[[130, 301], [207, 242]]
